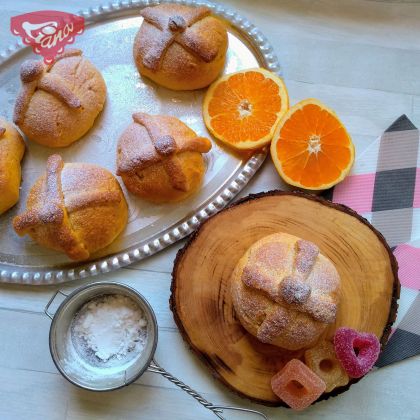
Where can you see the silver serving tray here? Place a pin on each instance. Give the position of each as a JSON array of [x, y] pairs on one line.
[[107, 42]]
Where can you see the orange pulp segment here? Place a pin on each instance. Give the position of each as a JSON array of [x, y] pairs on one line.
[[311, 148], [242, 109]]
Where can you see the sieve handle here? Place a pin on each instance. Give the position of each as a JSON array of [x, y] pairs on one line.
[[216, 409], [47, 306]]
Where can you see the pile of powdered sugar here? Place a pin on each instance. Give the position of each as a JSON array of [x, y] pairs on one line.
[[109, 327]]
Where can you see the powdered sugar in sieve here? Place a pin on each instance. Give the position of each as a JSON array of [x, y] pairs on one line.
[[109, 331], [103, 336]]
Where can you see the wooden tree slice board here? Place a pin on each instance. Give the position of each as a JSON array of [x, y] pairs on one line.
[[201, 301]]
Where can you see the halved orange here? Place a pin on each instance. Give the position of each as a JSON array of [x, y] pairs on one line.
[[311, 148], [242, 109]]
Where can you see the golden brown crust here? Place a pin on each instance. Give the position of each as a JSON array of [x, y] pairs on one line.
[[52, 84], [34, 75], [86, 199], [180, 47], [200, 39], [50, 215], [73, 208], [58, 103], [159, 157], [23, 99], [168, 15], [70, 52], [163, 136], [174, 22], [285, 292], [12, 149]]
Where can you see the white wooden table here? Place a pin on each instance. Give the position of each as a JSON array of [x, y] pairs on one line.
[[360, 57]]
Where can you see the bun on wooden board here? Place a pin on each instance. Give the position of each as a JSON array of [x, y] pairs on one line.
[[285, 292]]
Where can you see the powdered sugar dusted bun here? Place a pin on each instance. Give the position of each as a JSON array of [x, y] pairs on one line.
[[160, 158], [75, 208], [180, 47], [285, 292], [58, 103], [12, 149]]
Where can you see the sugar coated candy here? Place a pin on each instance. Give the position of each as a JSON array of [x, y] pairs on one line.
[[297, 385], [322, 360], [356, 351]]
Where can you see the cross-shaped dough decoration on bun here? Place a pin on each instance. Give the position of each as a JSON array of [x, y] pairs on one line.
[[177, 28], [51, 213], [162, 145], [34, 75]]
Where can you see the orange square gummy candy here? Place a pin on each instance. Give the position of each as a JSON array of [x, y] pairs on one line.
[[297, 385], [322, 360]]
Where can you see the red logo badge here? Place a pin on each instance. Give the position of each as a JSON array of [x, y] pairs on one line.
[[47, 31]]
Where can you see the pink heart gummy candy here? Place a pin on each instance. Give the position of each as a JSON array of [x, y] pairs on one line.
[[356, 351]]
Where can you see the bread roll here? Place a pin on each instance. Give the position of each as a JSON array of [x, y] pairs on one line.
[[75, 208], [58, 103], [285, 292], [180, 47], [159, 158], [12, 149]]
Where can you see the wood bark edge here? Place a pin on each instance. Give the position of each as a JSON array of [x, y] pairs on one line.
[[340, 207]]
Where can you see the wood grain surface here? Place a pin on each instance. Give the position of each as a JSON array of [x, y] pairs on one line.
[[201, 299], [360, 57]]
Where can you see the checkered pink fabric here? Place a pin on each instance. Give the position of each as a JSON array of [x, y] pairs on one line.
[[384, 187], [356, 192], [408, 258]]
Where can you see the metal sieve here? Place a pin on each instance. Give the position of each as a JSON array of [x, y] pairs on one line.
[[83, 374]]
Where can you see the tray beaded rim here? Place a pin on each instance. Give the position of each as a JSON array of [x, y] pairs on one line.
[[46, 276]]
